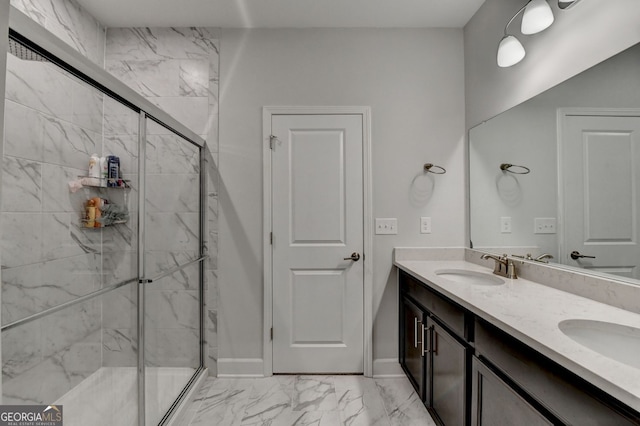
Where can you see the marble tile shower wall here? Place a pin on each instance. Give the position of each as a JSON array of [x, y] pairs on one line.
[[53, 122], [177, 70]]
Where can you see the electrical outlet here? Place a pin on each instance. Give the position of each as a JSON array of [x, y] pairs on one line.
[[425, 225], [386, 225], [505, 225], [544, 225]]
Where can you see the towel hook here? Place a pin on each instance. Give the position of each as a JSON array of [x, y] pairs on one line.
[[520, 170], [428, 168]]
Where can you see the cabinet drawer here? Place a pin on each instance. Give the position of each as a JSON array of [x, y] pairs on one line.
[[557, 389], [446, 311]]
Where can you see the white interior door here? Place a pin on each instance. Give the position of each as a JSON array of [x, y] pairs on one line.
[[317, 221], [600, 158]]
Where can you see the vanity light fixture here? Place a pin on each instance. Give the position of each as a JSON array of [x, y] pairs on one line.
[[566, 4], [537, 17]]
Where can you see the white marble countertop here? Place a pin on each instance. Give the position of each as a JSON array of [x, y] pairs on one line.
[[531, 312]]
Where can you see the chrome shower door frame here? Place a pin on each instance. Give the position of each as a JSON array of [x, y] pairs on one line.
[[15, 24]]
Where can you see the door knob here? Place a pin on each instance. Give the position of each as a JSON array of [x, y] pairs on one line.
[[575, 255], [354, 256]]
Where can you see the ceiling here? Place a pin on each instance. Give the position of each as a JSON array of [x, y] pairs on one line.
[[283, 13]]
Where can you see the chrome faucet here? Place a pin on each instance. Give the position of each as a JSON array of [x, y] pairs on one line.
[[503, 265], [544, 256]]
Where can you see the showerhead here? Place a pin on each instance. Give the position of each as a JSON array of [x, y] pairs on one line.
[[23, 52]]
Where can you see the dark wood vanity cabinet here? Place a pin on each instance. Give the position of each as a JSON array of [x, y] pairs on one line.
[[433, 353], [495, 403], [411, 345], [469, 372]]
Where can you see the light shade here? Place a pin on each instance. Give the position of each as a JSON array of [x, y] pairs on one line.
[[565, 4], [537, 17], [510, 51]]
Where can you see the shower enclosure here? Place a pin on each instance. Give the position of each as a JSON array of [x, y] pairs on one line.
[[102, 315]]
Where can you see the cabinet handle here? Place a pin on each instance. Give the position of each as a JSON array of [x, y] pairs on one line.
[[424, 351], [435, 341], [415, 331]]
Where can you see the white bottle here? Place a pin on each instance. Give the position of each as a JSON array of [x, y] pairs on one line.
[[94, 170], [104, 171], [94, 166]]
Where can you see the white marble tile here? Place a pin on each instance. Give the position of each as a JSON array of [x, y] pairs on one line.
[[87, 104], [32, 8], [56, 195], [21, 239], [119, 308], [69, 145], [173, 232], [21, 185], [213, 296], [172, 309], [72, 24], [359, 401], [172, 347], [157, 262], [211, 327], [194, 78], [35, 287], [159, 43], [21, 349], [314, 393], [173, 193], [119, 266], [119, 347], [119, 119], [159, 77], [38, 85], [193, 112], [268, 401], [402, 404], [23, 129], [169, 154], [225, 404]]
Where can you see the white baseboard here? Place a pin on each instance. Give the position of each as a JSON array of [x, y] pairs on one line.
[[240, 367], [387, 367]]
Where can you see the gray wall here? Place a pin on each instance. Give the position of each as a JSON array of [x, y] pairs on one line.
[[580, 38], [412, 79]]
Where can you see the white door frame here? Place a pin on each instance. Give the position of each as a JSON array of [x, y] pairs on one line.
[[365, 112], [562, 113]]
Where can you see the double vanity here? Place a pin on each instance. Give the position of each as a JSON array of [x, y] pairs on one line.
[[484, 349]]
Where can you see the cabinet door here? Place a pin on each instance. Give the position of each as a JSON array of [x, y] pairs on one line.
[[448, 372], [495, 403], [412, 355]]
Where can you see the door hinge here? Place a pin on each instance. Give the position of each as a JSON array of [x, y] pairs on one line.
[[272, 138], [271, 333], [271, 238]]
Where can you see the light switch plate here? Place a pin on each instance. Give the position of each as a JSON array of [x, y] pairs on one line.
[[386, 225], [544, 225], [425, 225]]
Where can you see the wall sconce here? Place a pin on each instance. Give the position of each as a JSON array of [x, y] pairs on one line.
[[537, 17]]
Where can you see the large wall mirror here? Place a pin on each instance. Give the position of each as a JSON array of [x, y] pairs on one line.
[[577, 194]]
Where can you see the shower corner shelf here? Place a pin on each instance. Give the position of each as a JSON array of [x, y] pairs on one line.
[[94, 182], [93, 228]]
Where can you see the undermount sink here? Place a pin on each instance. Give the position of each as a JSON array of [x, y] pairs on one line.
[[464, 276], [615, 341]]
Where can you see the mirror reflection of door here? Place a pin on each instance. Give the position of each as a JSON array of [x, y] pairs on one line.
[[600, 192]]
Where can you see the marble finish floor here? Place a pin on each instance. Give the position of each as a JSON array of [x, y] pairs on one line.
[[307, 400]]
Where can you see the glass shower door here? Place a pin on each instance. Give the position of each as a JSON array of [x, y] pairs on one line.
[[171, 251]]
